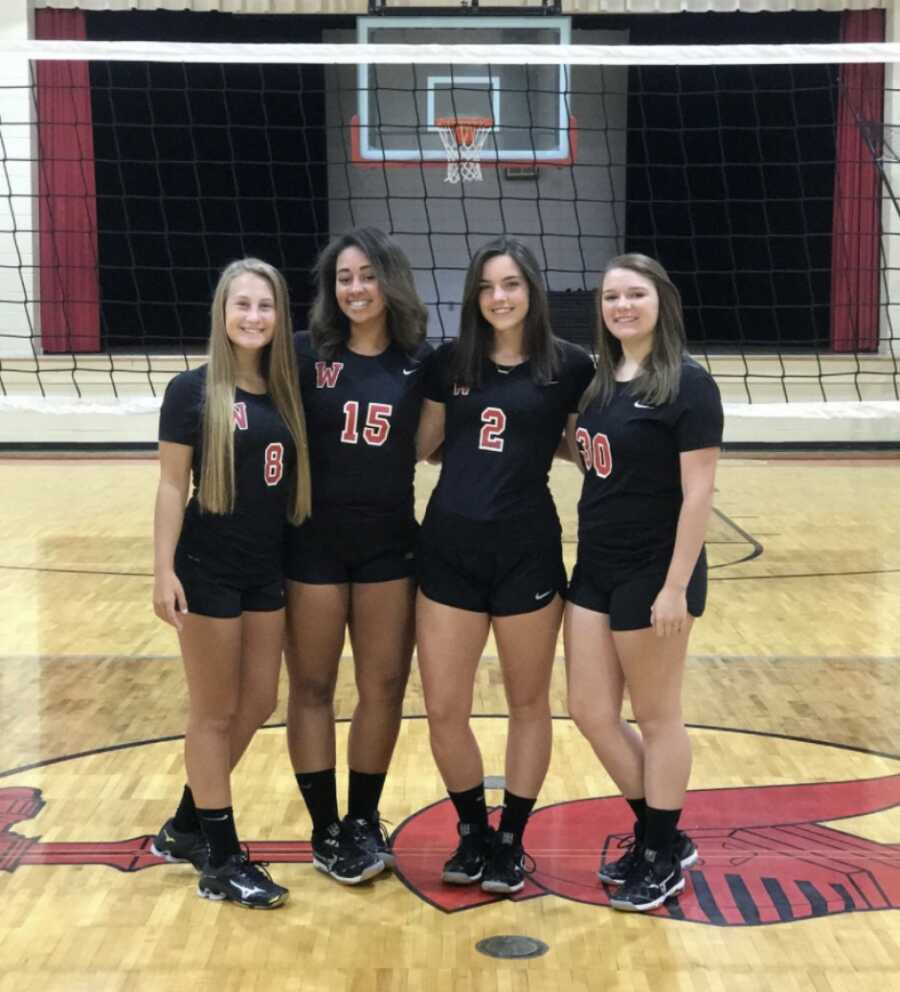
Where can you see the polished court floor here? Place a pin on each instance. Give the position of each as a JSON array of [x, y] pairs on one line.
[[792, 695]]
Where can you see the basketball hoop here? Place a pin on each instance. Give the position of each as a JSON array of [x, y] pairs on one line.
[[463, 139]]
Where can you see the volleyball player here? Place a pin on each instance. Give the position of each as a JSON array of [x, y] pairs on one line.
[[351, 566], [648, 434], [236, 425], [490, 549]]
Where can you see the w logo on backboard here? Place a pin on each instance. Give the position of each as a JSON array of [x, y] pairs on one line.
[[327, 375], [240, 416], [460, 390]]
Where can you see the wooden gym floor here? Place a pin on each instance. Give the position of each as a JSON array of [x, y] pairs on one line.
[[792, 694]]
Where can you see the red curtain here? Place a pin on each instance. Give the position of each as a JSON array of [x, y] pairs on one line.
[[69, 272], [856, 226]]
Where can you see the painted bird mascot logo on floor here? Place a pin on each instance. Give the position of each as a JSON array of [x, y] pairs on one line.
[[765, 855]]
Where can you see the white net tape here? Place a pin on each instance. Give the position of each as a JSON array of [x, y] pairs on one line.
[[56, 416]]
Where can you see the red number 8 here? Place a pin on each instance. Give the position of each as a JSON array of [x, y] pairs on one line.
[[274, 463]]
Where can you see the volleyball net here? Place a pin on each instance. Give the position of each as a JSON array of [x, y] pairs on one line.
[[766, 179]]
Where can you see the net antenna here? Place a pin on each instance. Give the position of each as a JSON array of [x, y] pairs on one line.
[[883, 140], [463, 138]]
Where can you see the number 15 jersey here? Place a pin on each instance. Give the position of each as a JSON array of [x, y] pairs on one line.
[[362, 412]]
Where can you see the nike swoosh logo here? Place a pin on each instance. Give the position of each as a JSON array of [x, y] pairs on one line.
[[409, 371], [643, 406], [542, 595]]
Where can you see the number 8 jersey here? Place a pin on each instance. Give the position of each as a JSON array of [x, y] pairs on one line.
[[243, 547]]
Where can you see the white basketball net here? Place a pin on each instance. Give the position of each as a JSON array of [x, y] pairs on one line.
[[463, 141]]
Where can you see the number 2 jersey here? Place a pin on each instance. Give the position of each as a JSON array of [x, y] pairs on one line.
[[499, 439], [244, 547], [631, 497], [362, 413]]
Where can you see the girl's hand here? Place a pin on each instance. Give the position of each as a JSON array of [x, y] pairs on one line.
[[169, 599], [669, 614]]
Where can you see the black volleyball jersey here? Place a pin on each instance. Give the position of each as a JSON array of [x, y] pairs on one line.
[[247, 544], [631, 495], [362, 413], [499, 439]]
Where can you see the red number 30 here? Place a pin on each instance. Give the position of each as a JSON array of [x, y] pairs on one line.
[[595, 452], [274, 463]]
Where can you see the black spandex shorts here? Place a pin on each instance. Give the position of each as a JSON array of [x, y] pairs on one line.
[[211, 595], [332, 551], [501, 569], [626, 593]]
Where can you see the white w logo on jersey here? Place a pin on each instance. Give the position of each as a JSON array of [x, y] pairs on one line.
[[327, 375]]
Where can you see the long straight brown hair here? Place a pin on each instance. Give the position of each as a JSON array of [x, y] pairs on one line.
[[476, 335], [279, 369], [660, 376], [407, 315]]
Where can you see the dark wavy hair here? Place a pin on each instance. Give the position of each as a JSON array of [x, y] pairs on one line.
[[407, 316], [660, 377], [473, 348]]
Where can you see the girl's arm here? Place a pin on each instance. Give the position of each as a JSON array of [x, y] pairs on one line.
[[174, 483], [430, 435], [573, 453], [698, 475]]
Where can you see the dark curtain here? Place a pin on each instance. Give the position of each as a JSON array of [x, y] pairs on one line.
[[69, 276], [855, 261]]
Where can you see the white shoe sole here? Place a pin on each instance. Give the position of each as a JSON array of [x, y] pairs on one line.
[[170, 858], [221, 897], [457, 878], [501, 888], [630, 907], [691, 859], [364, 876]]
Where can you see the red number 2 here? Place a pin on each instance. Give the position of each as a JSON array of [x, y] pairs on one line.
[[494, 420]]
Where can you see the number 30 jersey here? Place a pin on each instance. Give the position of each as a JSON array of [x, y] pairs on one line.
[[245, 545], [362, 412], [500, 439], [631, 496]]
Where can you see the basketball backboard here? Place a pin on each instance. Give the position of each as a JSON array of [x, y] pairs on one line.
[[399, 106]]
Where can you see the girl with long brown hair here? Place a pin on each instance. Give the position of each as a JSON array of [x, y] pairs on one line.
[[647, 437], [490, 555]]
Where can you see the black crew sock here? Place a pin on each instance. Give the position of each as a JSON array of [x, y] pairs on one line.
[[185, 818], [659, 834], [514, 818], [364, 794], [470, 806], [639, 808], [220, 833], [319, 791]]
